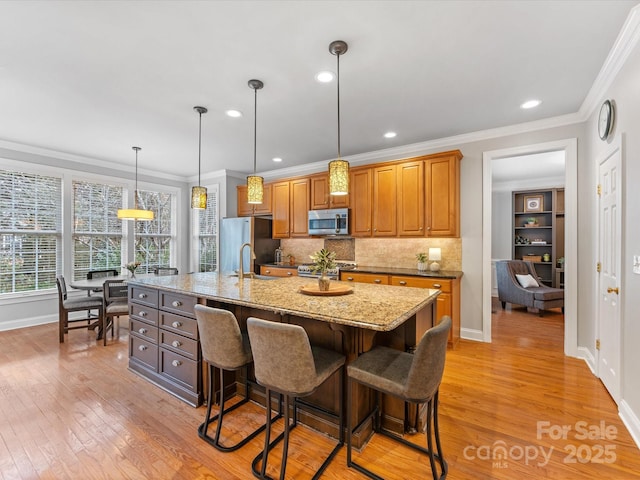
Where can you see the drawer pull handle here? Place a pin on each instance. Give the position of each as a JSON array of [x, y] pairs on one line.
[[176, 343], [143, 313], [142, 331], [402, 282], [350, 279], [267, 271], [289, 273], [176, 363], [377, 280], [176, 324], [437, 285], [177, 303], [142, 295], [142, 348]]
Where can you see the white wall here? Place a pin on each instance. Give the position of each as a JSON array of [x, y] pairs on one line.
[[501, 225]]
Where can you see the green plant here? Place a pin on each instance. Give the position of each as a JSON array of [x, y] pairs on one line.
[[323, 260], [531, 220], [422, 257]]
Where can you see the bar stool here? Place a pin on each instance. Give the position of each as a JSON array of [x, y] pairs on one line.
[[411, 377], [285, 362], [224, 347]]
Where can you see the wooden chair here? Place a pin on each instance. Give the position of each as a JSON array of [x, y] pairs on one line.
[[91, 274], [115, 295], [76, 304]]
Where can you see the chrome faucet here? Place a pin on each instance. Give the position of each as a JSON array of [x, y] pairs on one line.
[[253, 257]]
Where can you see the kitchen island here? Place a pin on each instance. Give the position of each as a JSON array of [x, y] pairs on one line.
[[164, 345]]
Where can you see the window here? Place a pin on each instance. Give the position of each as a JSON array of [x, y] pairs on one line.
[[154, 240], [207, 234], [97, 231], [30, 230]]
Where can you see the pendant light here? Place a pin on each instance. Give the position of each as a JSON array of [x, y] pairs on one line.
[[135, 213], [338, 168], [255, 183], [199, 193]]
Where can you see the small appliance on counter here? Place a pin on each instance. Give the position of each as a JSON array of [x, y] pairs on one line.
[[278, 256], [234, 232]]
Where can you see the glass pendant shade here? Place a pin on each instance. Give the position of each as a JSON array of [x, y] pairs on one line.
[[255, 189], [339, 177], [198, 198], [135, 213]]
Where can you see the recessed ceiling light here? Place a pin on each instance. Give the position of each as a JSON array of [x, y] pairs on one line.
[[390, 134], [277, 159], [233, 113], [530, 104], [325, 77]]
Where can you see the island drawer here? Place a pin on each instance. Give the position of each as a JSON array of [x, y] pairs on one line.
[[179, 369], [144, 313], [143, 295], [143, 352], [177, 303], [365, 278], [179, 344], [143, 329], [179, 324], [421, 282], [278, 271]]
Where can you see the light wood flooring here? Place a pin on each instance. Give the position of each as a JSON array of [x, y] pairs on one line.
[[74, 411]]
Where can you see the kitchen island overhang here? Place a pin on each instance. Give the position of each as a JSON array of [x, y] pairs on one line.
[[164, 342]]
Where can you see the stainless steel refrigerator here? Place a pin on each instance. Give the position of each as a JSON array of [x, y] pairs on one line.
[[236, 231]]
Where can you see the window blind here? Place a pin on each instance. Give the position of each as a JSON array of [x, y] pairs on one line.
[[208, 234], [154, 239]]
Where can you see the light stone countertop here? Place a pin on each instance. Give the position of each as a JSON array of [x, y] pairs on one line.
[[373, 307]]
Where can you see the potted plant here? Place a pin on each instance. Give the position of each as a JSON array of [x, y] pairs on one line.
[[323, 260], [422, 261], [531, 221]]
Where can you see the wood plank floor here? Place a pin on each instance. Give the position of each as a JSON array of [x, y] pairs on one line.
[[74, 411]]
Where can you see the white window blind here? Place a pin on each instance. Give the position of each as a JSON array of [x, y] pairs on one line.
[[208, 234], [97, 231], [154, 240], [30, 229]]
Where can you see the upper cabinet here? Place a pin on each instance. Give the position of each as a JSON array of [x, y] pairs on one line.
[[246, 209], [290, 208], [361, 187], [384, 201], [411, 195], [442, 180], [320, 197]]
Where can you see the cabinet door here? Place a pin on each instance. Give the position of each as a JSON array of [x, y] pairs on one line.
[[320, 198], [361, 198], [280, 203], [442, 196], [278, 272], [264, 208], [299, 208], [244, 208], [379, 279], [384, 201], [411, 199]]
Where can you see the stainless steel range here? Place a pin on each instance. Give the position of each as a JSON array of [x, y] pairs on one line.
[[306, 269]]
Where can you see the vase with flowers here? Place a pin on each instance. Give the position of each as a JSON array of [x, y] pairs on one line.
[[131, 266], [323, 260]]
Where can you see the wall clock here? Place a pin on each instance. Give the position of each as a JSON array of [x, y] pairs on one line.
[[605, 119]]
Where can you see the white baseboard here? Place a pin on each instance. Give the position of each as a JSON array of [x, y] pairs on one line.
[[471, 334], [28, 322], [585, 354], [631, 421]]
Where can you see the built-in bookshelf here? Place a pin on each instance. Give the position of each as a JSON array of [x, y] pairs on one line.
[[538, 231]]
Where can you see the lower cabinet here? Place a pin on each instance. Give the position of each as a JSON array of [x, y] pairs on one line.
[[278, 271], [380, 279], [163, 342]]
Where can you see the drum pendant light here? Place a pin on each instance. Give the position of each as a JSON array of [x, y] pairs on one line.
[[135, 213], [338, 168], [255, 183], [199, 193]]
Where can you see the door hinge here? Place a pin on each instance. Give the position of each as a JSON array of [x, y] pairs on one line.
[[599, 189], [598, 267], [598, 344]]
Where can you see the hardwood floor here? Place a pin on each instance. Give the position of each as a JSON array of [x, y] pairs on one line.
[[74, 411]]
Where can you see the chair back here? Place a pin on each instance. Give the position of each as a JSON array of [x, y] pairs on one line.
[[62, 288], [91, 274], [220, 338], [282, 356], [427, 367], [165, 271], [115, 291]]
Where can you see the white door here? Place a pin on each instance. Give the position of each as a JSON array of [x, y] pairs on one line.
[[610, 239]]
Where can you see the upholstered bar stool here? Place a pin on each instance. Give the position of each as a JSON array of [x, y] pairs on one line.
[[223, 347], [411, 377], [286, 363]]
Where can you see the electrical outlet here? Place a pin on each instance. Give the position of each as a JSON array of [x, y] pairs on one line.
[[636, 264]]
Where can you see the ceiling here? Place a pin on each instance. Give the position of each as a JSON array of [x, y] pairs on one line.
[[94, 78]]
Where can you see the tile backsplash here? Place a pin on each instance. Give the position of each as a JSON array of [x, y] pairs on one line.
[[378, 252]]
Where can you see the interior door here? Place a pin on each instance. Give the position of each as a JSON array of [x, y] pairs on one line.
[[610, 236]]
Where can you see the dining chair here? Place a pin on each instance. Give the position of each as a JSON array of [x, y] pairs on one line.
[[76, 304], [91, 274], [165, 271], [115, 295]]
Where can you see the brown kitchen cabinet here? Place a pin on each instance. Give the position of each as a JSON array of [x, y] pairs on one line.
[[379, 279], [290, 208], [447, 303], [278, 271], [320, 197], [361, 185], [246, 209], [442, 191], [410, 198], [385, 209]]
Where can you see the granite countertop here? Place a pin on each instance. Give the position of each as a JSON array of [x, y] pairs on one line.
[[373, 307]]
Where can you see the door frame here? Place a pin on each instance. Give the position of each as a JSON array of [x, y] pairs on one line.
[[570, 148]]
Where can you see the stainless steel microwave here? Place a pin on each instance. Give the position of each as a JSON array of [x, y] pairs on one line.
[[334, 221]]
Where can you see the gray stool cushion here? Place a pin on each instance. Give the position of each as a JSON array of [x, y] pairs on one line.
[[222, 342]]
